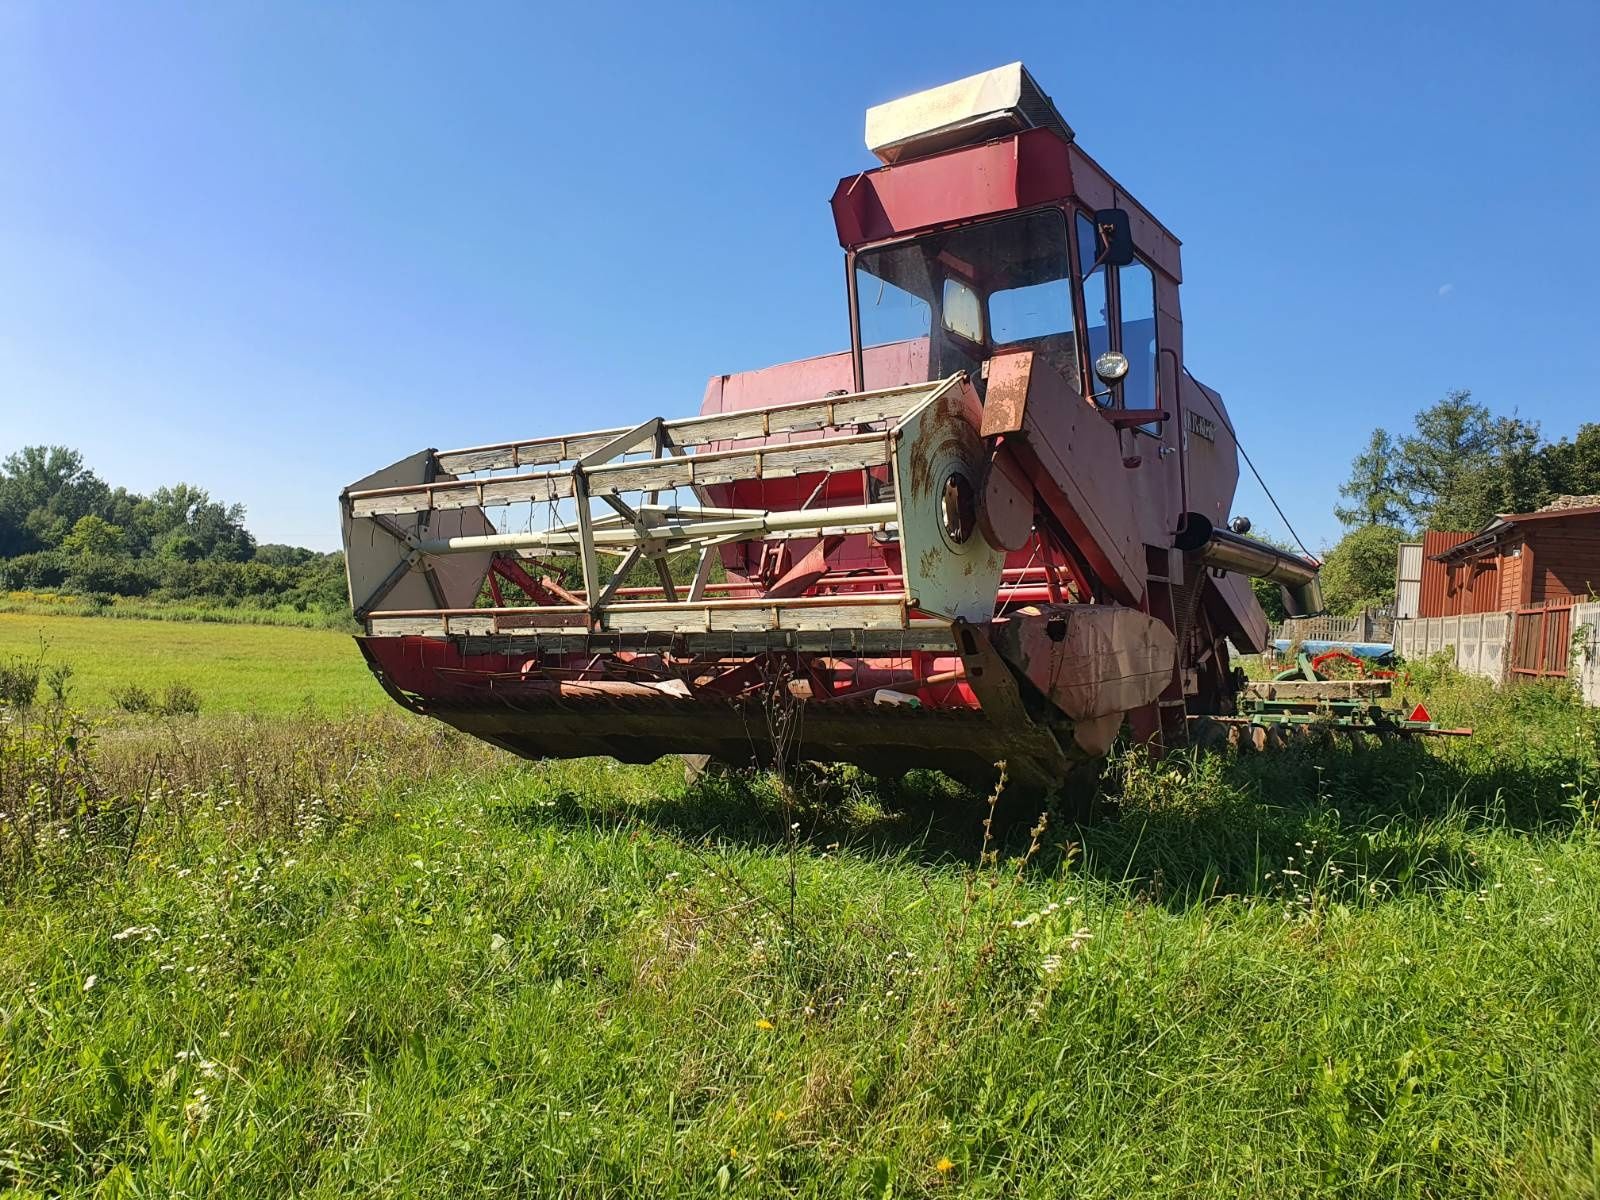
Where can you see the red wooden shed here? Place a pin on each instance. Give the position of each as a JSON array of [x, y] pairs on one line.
[[1518, 560]]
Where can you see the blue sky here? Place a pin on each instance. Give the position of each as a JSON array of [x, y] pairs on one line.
[[267, 247]]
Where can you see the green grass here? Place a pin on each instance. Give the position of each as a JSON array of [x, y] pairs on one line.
[[276, 956], [234, 668]]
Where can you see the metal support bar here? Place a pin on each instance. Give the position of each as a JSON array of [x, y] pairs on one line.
[[390, 581], [853, 518], [862, 407], [591, 572], [765, 461], [664, 573], [702, 574], [621, 508], [648, 431], [626, 565]]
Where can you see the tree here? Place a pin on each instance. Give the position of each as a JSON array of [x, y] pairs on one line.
[[93, 535], [1573, 468], [1443, 465], [276, 554], [179, 546], [1372, 489], [43, 491], [1359, 572], [1515, 481], [217, 529]]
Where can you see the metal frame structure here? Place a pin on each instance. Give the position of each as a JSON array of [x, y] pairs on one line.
[[906, 435]]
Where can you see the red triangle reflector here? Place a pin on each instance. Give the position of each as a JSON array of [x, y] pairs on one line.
[[1419, 714]]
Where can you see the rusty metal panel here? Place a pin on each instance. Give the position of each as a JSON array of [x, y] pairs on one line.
[[951, 568], [1433, 598], [1212, 462], [1075, 460], [1006, 399]]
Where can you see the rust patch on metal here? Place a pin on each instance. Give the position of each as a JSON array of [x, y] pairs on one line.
[[1006, 401]]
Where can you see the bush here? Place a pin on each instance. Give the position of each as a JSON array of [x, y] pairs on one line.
[[43, 569], [312, 582], [179, 700], [19, 681], [117, 574], [58, 679], [133, 699]]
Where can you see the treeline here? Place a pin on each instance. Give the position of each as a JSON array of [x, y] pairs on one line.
[[62, 528], [1456, 468], [1460, 466]]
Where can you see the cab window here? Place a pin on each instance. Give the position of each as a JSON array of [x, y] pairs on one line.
[[962, 293], [1136, 292], [1096, 307], [1119, 306], [963, 315], [1035, 310]]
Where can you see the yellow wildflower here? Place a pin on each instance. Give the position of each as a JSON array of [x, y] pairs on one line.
[[944, 1166], [763, 1023]]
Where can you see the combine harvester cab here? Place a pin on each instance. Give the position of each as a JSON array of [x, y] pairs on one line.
[[994, 529]]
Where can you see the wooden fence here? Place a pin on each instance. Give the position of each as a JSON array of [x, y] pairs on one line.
[[1367, 627], [1542, 647]]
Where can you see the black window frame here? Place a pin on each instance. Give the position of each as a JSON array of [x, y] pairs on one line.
[[1112, 282]]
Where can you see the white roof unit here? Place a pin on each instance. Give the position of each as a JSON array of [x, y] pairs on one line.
[[975, 109]]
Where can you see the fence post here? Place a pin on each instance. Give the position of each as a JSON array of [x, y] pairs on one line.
[[1586, 642]]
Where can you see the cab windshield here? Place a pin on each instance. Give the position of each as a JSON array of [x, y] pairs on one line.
[[943, 303]]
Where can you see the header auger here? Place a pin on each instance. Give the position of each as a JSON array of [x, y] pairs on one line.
[[994, 528]]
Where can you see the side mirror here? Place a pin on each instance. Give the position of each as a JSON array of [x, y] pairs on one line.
[[1115, 236]]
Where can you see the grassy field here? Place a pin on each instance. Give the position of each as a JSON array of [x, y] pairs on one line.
[[273, 955], [233, 668], [127, 608]]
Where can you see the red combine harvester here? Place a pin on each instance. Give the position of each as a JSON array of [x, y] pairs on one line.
[[995, 528]]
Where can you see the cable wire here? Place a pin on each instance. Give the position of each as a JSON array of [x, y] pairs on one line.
[[1242, 454]]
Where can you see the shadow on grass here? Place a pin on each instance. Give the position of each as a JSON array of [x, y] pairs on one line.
[[1380, 819]]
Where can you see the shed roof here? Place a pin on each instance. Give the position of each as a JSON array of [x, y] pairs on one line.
[[1559, 509]]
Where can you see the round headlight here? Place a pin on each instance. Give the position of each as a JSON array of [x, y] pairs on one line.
[[1111, 366]]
